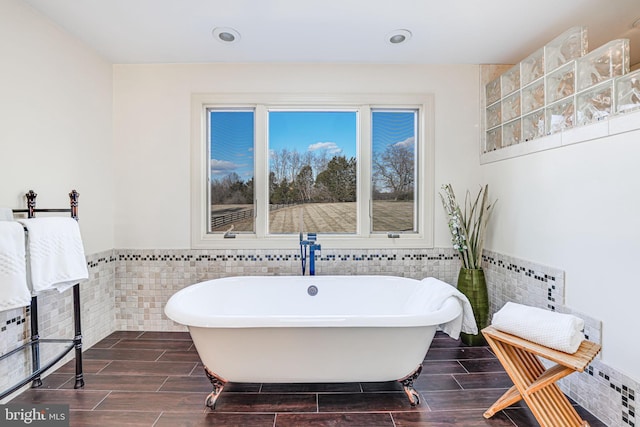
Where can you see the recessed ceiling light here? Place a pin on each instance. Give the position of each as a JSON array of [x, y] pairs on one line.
[[398, 36], [226, 35]]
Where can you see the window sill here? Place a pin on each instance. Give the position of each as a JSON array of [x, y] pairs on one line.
[[251, 241], [406, 241]]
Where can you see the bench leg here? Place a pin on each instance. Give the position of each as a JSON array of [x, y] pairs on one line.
[[549, 405], [509, 398]]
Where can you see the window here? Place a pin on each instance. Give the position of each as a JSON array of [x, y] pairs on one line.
[[230, 142], [312, 171], [356, 169], [394, 140]]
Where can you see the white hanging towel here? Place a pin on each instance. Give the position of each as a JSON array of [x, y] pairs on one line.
[[14, 292], [554, 330], [440, 291], [55, 255]]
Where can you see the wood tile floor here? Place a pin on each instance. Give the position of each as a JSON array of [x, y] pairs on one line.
[[156, 379]]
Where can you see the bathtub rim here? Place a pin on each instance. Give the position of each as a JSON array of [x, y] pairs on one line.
[[450, 309]]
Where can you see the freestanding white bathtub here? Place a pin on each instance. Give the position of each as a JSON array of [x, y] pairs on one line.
[[286, 329]]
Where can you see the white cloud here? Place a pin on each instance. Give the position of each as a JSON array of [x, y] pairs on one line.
[[409, 142], [220, 167], [330, 147]]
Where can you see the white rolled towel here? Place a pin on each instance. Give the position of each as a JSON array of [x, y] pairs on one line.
[[559, 331]]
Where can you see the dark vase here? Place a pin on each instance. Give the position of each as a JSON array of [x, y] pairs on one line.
[[472, 284]]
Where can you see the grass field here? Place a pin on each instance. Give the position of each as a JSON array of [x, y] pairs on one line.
[[392, 216], [327, 217]]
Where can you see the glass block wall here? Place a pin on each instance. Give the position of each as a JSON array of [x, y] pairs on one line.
[[559, 86]]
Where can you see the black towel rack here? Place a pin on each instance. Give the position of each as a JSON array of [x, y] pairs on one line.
[[35, 341]]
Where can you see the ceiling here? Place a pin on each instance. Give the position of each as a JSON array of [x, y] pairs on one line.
[[443, 32]]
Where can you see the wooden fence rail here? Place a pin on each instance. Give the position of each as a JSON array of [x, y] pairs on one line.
[[218, 221], [222, 220]]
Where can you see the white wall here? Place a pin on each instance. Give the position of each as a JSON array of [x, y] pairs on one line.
[[577, 208], [55, 121], [152, 130]]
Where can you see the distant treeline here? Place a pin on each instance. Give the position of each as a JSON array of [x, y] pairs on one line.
[[318, 177]]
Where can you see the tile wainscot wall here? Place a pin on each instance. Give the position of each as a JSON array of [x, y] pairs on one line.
[[128, 290]]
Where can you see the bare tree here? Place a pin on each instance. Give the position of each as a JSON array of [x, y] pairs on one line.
[[295, 163], [320, 159], [394, 170], [280, 163], [231, 189]]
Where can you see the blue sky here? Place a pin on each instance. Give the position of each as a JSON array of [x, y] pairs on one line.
[[334, 131], [391, 128], [231, 135]]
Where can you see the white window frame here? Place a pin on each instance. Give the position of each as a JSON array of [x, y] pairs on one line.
[[261, 103]]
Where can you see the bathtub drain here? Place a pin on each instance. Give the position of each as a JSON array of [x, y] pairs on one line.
[[312, 290]]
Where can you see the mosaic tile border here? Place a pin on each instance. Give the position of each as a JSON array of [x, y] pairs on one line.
[[18, 320], [516, 280], [102, 260], [606, 393], [283, 257]]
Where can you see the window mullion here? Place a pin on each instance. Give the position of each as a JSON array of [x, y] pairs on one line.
[[261, 166], [364, 171], [417, 173]]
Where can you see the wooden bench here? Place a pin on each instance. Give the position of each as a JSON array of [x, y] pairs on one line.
[[533, 382]]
